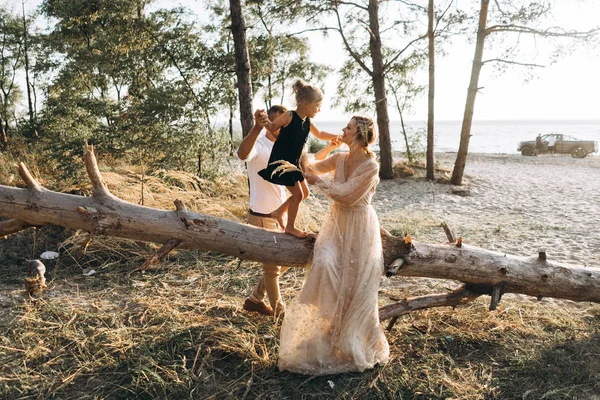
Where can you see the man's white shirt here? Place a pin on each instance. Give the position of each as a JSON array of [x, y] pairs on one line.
[[264, 196]]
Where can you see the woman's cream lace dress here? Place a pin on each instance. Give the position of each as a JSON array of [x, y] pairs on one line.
[[333, 325]]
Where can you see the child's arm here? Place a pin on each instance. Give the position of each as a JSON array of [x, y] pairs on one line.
[[280, 122], [319, 134], [331, 145]]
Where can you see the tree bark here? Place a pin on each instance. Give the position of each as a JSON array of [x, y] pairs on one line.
[[465, 132], [483, 271], [460, 296], [404, 133], [381, 107], [431, 94], [27, 80], [12, 226], [242, 62], [3, 136], [230, 127]]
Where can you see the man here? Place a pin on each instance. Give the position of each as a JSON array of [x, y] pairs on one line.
[[255, 150], [538, 144], [265, 197], [551, 144]]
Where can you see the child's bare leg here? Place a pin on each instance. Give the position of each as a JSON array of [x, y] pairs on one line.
[[278, 213], [305, 190], [295, 199]]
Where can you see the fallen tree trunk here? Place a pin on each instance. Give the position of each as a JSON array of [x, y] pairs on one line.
[[483, 271], [12, 226]]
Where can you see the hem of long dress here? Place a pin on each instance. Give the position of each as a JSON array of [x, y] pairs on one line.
[[332, 371]]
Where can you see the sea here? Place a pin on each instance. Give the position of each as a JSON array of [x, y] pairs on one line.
[[500, 137]]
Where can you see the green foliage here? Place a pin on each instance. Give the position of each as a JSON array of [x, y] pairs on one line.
[[276, 60], [215, 146], [315, 145], [355, 88], [11, 48], [141, 86], [417, 144], [276, 57]]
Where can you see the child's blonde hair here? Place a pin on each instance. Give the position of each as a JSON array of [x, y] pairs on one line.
[[365, 129], [306, 93]]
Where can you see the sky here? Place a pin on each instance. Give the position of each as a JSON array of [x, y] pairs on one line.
[[568, 89]]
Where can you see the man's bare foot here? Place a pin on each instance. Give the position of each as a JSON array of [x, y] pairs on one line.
[[279, 218], [296, 232]]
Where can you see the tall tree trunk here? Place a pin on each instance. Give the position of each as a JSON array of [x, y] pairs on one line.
[[383, 119], [27, 80], [242, 62], [430, 95], [404, 133], [465, 132], [3, 136], [230, 129], [270, 96]]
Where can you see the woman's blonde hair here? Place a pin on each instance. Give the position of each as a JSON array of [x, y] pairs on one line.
[[365, 134], [306, 93]]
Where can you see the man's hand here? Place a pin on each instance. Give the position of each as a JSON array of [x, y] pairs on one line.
[[264, 120], [250, 140], [261, 118]]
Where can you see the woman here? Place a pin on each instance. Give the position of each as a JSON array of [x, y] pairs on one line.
[[333, 326]]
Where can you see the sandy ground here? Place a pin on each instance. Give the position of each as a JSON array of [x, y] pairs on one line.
[[516, 205]]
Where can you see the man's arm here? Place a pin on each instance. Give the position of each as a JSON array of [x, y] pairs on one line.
[[249, 141]]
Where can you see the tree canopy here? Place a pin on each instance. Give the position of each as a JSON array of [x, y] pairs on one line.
[[158, 86]]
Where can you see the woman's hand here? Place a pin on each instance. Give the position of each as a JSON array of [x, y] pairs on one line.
[[335, 143], [312, 178]]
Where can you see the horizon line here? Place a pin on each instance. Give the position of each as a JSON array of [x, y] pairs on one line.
[[595, 120]]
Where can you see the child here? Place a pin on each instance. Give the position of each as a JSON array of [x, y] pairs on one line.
[[295, 126]]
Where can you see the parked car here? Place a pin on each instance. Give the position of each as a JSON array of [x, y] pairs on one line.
[[565, 144]]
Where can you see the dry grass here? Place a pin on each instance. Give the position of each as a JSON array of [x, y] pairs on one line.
[[178, 331], [402, 169]]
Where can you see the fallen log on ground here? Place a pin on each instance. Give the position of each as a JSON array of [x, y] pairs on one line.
[[482, 271]]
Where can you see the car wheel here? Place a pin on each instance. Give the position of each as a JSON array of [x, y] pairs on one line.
[[578, 152], [527, 151]]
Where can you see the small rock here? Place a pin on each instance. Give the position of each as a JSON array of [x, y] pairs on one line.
[[49, 255], [463, 192]]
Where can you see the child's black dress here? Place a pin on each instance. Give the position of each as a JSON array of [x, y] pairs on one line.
[[288, 147]]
